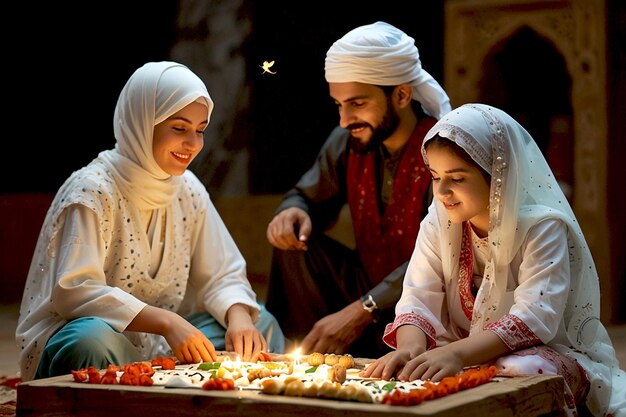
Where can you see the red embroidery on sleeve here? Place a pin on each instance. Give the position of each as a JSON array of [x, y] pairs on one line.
[[513, 332], [413, 319]]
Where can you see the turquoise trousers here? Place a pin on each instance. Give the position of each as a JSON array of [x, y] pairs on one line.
[[90, 341]]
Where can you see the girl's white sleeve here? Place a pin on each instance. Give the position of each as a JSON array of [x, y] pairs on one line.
[[424, 291]]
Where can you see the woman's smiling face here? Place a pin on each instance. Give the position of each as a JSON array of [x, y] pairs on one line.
[[178, 139], [460, 185]]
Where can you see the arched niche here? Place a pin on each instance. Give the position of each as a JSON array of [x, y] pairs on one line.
[[526, 76]]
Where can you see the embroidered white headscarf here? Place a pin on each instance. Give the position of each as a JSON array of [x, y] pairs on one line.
[[381, 54], [153, 93], [523, 192]]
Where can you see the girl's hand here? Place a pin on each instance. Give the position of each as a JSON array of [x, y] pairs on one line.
[[387, 366], [434, 364], [411, 343]]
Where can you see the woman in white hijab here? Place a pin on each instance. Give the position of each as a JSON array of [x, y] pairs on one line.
[[133, 260], [501, 271]]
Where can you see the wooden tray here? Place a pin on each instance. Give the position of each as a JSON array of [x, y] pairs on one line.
[[521, 396]]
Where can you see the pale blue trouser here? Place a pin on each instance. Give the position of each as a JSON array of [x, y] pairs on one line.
[[90, 341]]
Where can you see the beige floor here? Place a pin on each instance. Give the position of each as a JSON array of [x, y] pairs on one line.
[[9, 351]]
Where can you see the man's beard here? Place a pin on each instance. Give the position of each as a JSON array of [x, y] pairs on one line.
[[387, 126]]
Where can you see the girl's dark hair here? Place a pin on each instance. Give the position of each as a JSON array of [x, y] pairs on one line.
[[442, 142]]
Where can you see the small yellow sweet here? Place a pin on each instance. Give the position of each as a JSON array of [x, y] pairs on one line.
[[331, 359], [347, 361], [272, 386], [315, 359], [337, 373], [294, 388]]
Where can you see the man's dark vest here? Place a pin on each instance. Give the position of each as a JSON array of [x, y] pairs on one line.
[[385, 243]]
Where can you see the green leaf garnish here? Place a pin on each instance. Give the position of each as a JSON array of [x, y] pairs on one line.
[[205, 366], [389, 386], [311, 370]]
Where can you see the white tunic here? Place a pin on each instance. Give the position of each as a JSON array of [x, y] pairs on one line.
[[537, 288], [98, 255]]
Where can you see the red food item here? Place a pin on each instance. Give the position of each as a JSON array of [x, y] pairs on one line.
[[80, 375], [145, 380], [449, 385], [138, 373], [158, 361], [145, 368], [165, 363], [94, 375], [115, 368], [168, 363], [128, 378], [219, 384], [109, 377]]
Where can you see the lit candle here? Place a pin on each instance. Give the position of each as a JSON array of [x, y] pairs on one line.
[[296, 357]]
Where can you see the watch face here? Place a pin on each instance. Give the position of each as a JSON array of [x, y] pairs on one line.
[[368, 303]]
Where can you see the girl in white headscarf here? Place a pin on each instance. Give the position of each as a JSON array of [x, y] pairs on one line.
[[133, 260], [501, 271]]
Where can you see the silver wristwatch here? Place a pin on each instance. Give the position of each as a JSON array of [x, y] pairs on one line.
[[371, 307], [368, 303]]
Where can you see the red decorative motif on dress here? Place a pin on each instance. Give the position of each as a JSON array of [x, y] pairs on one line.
[[389, 337], [513, 332], [466, 269]]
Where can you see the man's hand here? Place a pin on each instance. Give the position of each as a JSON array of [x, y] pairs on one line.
[[336, 332], [290, 229]]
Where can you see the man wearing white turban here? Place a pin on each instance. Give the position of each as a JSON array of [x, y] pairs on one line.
[[324, 294]]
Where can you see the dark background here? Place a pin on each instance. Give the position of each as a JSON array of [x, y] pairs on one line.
[[68, 65]]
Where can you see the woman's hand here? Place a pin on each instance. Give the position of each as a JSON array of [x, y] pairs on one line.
[[188, 343], [242, 337], [194, 348]]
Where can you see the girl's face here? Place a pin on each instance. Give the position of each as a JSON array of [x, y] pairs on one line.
[[178, 139], [460, 186]]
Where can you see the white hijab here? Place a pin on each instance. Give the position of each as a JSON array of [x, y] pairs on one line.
[[523, 192], [153, 93], [381, 54]]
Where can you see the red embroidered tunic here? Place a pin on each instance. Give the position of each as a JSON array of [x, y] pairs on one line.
[[386, 241]]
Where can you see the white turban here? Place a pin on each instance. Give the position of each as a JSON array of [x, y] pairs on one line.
[[382, 54]]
